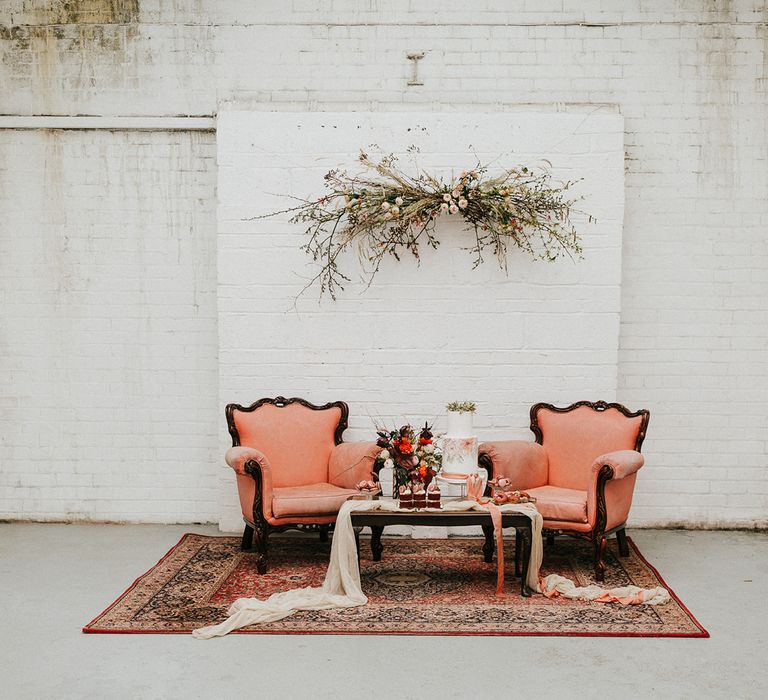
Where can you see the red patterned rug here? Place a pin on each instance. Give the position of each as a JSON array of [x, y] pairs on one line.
[[436, 586]]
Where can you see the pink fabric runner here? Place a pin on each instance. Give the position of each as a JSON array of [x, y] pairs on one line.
[[475, 493]]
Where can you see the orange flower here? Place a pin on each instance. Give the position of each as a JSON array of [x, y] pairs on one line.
[[422, 472], [425, 441], [405, 447]]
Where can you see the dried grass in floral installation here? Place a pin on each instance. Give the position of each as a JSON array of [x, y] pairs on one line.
[[389, 212]]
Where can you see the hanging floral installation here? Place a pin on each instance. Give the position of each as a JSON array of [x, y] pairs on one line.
[[386, 212]]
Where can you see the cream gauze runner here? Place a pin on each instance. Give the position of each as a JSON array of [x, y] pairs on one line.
[[555, 585], [341, 588]]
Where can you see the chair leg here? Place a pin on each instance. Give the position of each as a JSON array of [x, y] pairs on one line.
[[247, 542], [621, 538], [599, 563], [550, 540], [262, 535], [323, 533]]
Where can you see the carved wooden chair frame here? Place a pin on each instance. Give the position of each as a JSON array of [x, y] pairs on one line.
[[597, 536], [258, 527]]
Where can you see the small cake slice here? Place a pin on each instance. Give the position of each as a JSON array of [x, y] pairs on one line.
[[433, 496]]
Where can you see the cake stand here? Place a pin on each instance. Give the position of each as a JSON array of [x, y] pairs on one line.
[[461, 481]]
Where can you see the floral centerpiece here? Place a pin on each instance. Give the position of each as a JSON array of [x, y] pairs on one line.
[[412, 456]]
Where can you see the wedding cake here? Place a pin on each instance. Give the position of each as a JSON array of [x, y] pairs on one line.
[[459, 445]]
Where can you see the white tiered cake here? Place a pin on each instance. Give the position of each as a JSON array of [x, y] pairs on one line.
[[459, 446]]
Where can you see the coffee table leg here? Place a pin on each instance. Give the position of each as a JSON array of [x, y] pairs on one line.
[[518, 545], [376, 547], [526, 533], [489, 544]]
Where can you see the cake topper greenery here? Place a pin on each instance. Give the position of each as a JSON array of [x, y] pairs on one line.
[[386, 212], [461, 407]]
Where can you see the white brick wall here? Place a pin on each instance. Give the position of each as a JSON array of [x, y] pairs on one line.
[[688, 78], [108, 338]]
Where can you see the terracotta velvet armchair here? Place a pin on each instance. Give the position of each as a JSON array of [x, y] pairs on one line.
[[581, 469], [293, 470]]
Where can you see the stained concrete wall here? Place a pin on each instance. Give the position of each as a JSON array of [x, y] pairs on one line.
[[689, 78]]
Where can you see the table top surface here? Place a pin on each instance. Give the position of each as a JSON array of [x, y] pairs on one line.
[[434, 514]]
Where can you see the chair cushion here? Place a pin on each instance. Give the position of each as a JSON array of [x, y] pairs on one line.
[[314, 499], [574, 439], [556, 503], [296, 440]]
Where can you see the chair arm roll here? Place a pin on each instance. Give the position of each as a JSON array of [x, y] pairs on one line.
[[237, 457], [623, 462]]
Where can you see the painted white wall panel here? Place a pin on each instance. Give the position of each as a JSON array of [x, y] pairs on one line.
[[421, 335]]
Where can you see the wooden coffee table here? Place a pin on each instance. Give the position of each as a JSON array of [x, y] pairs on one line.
[[377, 520]]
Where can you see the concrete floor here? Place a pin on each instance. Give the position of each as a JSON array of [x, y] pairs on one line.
[[54, 578]]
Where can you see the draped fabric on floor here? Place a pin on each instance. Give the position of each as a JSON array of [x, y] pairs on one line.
[[341, 588]]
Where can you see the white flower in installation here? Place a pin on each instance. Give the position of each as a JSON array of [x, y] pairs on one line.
[[385, 206], [454, 209], [446, 197], [429, 449], [463, 204], [384, 454], [444, 206], [387, 216], [395, 211], [455, 194], [399, 201]]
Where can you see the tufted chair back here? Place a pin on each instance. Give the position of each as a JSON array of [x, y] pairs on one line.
[[574, 438], [296, 437]]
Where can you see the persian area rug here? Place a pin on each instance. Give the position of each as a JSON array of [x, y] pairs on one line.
[[421, 587]]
